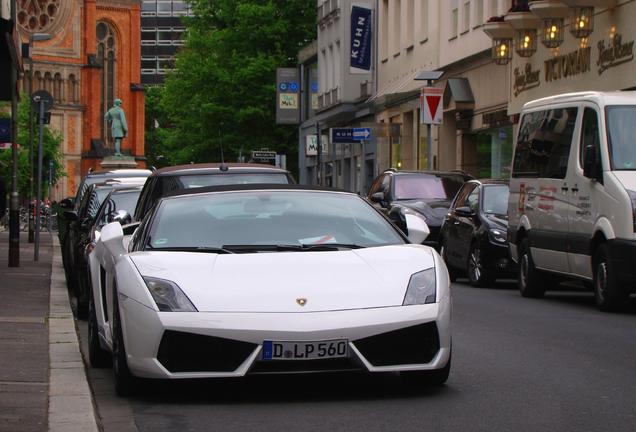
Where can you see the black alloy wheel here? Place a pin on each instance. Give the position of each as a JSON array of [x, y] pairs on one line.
[[530, 281], [610, 296], [452, 273], [125, 382], [98, 357], [478, 275]]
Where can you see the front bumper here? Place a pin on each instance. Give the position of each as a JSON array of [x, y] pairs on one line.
[[241, 335], [497, 259]]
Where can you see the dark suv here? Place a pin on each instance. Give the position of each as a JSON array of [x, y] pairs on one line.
[[428, 193], [166, 180]]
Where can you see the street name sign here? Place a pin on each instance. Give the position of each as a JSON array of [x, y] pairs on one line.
[[350, 135], [431, 105]]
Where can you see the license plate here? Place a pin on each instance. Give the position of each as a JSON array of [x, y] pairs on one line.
[[277, 350]]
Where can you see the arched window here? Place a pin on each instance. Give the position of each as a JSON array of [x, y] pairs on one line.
[[72, 87], [48, 82], [107, 56], [57, 88], [37, 81]]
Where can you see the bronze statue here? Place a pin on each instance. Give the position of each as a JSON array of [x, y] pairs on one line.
[[119, 127]]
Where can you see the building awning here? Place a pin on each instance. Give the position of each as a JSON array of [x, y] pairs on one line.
[[458, 95]]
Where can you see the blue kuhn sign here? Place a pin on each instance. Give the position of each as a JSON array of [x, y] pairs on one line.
[[360, 39]]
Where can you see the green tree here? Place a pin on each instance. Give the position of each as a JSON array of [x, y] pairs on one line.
[[51, 141], [224, 84]]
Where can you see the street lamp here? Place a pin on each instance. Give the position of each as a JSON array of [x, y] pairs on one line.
[[33, 37]]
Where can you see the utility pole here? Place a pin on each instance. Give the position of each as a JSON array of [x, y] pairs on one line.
[[14, 203]]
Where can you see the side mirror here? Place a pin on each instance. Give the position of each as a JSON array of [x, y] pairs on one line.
[[591, 163], [378, 197], [112, 238], [70, 215], [464, 211], [397, 215], [121, 216], [67, 203], [417, 228]]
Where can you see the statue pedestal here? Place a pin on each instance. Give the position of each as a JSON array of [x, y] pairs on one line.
[[114, 162]]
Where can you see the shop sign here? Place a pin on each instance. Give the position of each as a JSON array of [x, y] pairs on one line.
[[568, 65], [495, 119], [526, 79], [614, 53]]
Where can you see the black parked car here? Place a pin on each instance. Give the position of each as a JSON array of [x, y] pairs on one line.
[[181, 177], [428, 193], [473, 236], [80, 232], [70, 206]]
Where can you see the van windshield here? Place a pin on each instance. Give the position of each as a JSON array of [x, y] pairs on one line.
[[621, 127]]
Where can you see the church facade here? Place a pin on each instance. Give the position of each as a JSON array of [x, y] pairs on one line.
[[90, 57]]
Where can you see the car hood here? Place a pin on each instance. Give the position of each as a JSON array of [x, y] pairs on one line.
[[272, 282], [497, 221], [434, 211]]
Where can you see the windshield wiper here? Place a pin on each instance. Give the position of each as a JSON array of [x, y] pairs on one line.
[[291, 247], [205, 249]]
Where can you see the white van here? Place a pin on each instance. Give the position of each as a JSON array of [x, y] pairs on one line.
[[572, 205]]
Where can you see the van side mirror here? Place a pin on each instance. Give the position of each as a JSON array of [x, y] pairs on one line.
[[464, 211], [378, 197], [591, 164]]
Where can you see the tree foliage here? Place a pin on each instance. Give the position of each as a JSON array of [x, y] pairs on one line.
[[224, 84], [51, 141]]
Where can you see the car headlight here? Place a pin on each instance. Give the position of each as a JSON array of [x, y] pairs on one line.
[[497, 236], [168, 296], [422, 288]]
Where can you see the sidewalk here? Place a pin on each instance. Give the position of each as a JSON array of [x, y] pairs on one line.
[[43, 384]]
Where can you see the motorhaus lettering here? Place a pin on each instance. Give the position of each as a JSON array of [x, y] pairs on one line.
[[614, 53], [526, 79], [567, 65]]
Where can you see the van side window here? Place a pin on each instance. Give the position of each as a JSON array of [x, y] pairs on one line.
[[543, 143], [589, 132]]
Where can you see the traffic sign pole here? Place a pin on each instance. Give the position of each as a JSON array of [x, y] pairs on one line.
[[38, 198]]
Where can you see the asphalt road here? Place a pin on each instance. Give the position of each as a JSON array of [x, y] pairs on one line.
[[555, 364]]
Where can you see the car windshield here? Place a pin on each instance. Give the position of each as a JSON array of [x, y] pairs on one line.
[[194, 181], [621, 126], [425, 186], [260, 220], [496, 199], [119, 201]]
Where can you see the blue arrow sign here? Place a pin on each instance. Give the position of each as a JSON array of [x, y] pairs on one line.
[[350, 135]]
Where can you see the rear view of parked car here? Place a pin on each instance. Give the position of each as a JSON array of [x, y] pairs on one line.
[[473, 236]]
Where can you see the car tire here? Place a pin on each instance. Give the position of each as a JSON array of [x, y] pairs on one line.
[[530, 281], [431, 378], [478, 275], [98, 357], [610, 296], [125, 382], [452, 273], [82, 298]]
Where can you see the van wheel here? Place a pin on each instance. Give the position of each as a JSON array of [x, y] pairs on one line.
[[531, 282], [609, 295], [452, 274]]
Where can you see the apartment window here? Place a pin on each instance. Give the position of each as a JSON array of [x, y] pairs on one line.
[[336, 68], [494, 8], [148, 36], [164, 8], [72, 89], [322, 76], [479, 12], [149, 8], [178, 35], [164, 63], [396, 30], [454, 23], [179, 8], [57, 87], [384, 31], [423, 21], [466, 17], [410, 22], [164, 36], [330, 64], [148, 65]]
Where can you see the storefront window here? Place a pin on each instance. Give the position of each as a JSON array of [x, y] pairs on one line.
[[494, 153]]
